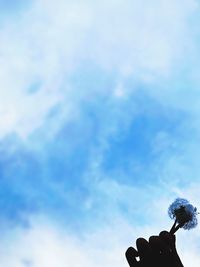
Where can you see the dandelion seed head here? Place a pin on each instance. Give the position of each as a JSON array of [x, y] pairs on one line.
[[184, 213]]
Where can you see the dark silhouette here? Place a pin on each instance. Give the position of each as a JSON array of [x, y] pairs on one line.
[[159, 251]]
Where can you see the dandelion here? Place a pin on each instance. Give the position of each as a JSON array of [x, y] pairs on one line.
[[184, 213]]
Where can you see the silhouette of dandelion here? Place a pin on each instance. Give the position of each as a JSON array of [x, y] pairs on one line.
[[184, 213]]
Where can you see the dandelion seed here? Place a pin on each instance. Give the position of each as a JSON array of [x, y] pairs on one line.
[[184, 213]]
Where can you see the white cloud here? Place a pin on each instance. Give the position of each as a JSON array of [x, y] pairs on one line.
[[51, 38]]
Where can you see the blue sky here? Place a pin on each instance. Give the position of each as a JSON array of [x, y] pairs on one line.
[[100, 131]]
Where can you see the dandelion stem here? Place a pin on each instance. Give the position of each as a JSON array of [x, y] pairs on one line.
[[173, 227]]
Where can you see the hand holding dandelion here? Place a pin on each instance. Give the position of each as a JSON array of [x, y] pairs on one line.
[[161, 250], [158, 251], [184, 213]]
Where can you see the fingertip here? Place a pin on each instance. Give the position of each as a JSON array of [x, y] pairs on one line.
[[131, 255], [143, 246], [131, 252], [154, 241], [166, 234], [168, 237], [141, 241], [153, 238]]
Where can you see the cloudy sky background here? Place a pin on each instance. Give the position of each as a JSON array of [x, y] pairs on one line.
[[99, 128]]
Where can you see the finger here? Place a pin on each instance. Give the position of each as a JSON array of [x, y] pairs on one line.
[[131, 255], [169, 239], [156, 244], [143, 248]]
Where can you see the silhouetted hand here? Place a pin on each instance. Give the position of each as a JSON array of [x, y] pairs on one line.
[[159, 251]]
